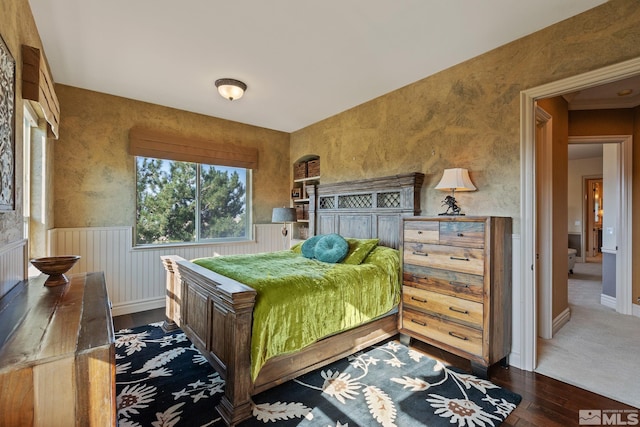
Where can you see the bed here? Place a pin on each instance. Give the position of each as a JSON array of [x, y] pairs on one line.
[[216, 311]]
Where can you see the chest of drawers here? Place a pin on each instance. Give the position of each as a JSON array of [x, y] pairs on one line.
[[456, 292]]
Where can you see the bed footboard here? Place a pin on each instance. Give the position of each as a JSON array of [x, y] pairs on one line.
[[215, 312]]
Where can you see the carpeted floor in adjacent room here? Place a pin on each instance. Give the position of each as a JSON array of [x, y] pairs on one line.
[[598, 348]]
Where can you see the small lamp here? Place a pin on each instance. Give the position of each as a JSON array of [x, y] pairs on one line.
[[284, 215], [454, 180], [230, 88]]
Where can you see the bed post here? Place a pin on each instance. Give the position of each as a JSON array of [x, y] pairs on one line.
[[235, 405], [216, 313], [173, 293]]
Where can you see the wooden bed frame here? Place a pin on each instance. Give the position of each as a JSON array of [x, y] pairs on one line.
[[215, 312]]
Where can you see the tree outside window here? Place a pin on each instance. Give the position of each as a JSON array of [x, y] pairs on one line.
[[179, 202]]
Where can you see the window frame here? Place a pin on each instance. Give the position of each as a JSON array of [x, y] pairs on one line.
[[198, 241]]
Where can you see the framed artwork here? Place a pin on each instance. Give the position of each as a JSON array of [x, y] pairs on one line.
[[295, 193], [7, 131]]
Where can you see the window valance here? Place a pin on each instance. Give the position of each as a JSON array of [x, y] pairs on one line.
[[162, 145], [37, 86]]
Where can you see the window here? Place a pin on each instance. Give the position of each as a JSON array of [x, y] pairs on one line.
[[179, 202]]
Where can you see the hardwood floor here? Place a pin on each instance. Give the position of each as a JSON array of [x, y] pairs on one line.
[[138, 319], [545, 401]]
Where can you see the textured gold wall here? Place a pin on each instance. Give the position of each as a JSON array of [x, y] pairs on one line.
[[95, 175], [469, 115]]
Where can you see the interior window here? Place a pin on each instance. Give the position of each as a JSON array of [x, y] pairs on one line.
[[182, 202]]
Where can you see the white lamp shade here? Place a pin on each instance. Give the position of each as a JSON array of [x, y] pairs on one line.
[[284, 215], [230, 88], [456, 179]]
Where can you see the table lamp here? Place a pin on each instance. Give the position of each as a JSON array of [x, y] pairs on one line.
[[284, 215], [453, 180]]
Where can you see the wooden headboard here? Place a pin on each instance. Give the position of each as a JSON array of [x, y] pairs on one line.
[[364, 209]]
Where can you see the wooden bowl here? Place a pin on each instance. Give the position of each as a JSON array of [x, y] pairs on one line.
[[55, 267]]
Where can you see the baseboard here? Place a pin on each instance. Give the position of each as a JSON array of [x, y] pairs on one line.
[[136, 306], [561, 320], [608, 301], [515, 360]]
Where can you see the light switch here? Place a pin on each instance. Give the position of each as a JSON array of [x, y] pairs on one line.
[[610, 231]]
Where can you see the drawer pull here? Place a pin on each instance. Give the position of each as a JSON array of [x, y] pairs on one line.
[[419, 232], [466, 285], [458, 258], [460, 337], [457, 310], [422, 300], [460, 235], [420, 253], [419, 322]]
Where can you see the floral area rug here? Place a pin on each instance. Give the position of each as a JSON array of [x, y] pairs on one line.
[[163, 380]]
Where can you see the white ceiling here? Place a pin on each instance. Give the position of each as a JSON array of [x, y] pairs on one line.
[[611, 95], [619, 94], [584, 151], [303, 61]]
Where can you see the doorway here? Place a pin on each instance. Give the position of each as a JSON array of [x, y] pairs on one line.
[[593, 214], [527, 304], [571, 354]]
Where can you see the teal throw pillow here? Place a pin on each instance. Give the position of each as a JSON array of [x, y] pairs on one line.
[[309, 246], [359, 249], [332, 248]]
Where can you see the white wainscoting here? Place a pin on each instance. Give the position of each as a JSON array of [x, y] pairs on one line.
[[13, 265], [135, 276]]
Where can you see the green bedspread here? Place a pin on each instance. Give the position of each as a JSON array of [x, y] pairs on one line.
[[301, 300]]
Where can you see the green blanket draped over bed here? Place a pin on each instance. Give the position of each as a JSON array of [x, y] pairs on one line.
[[301, 300]]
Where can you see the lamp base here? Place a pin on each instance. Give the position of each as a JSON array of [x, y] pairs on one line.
[[452, 206], [285, 233]]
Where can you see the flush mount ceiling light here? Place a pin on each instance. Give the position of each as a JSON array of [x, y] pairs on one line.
[[231, 88]]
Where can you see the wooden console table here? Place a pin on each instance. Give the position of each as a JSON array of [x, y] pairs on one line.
[[57, 354]]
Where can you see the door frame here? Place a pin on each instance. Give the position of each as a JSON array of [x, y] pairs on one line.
[[544, 222], [526, 306], [624, 221]]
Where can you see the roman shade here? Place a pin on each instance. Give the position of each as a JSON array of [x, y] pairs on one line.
[[37, 86], [163, 145]]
